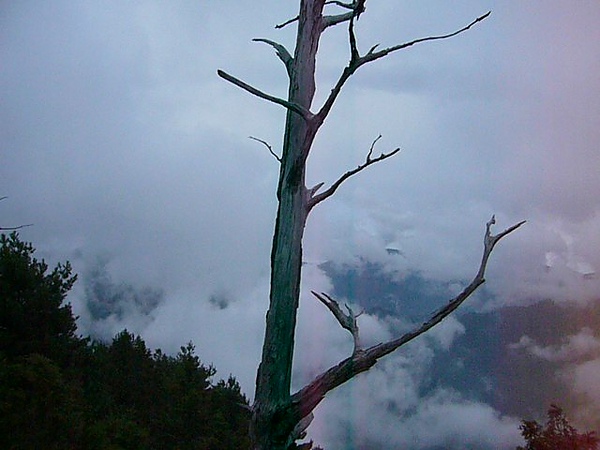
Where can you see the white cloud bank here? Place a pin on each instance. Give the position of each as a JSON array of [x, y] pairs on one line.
[[118, 137], [580, 371]]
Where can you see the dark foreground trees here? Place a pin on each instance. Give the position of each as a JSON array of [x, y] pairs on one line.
[[33, 318], [557, 434], [60, 391], [280, 418]]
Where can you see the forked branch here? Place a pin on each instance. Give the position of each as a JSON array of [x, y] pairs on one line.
[[305, 113], [373, 55], [315, 198], [347, 321], [304, 401], [356, 61]]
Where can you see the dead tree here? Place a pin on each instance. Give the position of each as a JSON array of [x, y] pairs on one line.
[[280, 418]]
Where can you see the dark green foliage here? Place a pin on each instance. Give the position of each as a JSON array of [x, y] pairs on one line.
[[58, 391], [39, 406], [558, 434], [167, 402], [33, 318]]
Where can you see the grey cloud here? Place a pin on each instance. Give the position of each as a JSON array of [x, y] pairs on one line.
[[574, 347], [586, 384], [385, 409], [118, 138]]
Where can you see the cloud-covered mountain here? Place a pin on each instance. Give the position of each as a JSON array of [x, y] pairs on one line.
[[515, 359], [109, 304], [118, 138]]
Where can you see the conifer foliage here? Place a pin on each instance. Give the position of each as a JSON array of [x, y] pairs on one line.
[[557, 434], [61, 391]]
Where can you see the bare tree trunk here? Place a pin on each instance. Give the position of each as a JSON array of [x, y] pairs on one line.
[[278, 417], [274, 373]]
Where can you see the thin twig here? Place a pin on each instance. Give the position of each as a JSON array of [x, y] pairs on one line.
[[372, 56], [15, 228], [356, 61], [372, 147], [266, 144], [317, 198], [287, 22]]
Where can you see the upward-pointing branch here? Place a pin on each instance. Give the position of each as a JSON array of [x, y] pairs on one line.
[[372, 55], [304, 401], [281, 52], [357, 61], [315, 198], [346, 320]]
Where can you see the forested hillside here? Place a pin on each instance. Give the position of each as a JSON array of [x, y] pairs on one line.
[[59, 390]]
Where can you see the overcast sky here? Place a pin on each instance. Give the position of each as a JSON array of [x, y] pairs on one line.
[[126, 150]]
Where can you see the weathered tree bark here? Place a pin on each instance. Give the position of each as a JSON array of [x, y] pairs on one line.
[[275, 371], [279, 418]]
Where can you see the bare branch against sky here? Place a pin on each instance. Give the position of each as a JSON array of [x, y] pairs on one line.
[[122, 145]]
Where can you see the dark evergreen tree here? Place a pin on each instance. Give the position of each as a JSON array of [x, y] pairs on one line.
[[58, 391], [41, 403], [33, 318], [557, 434], [166, 402], [39, 406]]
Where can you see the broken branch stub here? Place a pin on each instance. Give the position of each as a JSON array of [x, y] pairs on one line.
[[281, 52]]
